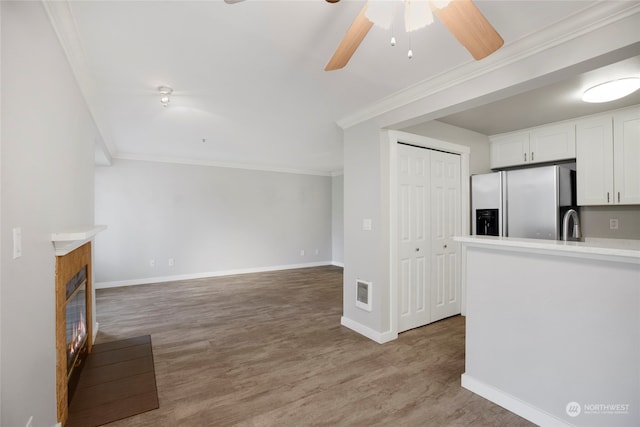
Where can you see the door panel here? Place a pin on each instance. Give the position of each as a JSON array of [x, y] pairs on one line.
[[445, 252], [626, 152], [413, 248]]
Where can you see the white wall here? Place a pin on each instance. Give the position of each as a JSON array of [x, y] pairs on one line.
[[47, 186], [210, 220], [566, 331], [337, 220]]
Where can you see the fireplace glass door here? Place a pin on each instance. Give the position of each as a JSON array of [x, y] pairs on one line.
[[76, 309]]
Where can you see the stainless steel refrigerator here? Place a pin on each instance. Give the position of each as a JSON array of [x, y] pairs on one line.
[[523, 202]]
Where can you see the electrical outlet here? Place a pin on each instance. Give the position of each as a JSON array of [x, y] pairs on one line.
[[170, 262], [152, 263], [613, 224], [301, 252]]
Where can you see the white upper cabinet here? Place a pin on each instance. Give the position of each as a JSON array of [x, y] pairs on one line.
[[538, 145], [608, 159], [509, 150], [554, 142], [594, 161], [626, 156]]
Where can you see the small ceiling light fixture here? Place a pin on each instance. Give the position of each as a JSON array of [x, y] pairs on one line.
[[611, 90], [165, 91]]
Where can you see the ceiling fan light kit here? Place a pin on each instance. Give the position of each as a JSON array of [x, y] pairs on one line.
[[611, 90], [461, 17], [165, 91]]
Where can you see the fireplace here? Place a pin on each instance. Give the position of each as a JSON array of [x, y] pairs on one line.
[[74, 335], [74, 309], [76, 327]]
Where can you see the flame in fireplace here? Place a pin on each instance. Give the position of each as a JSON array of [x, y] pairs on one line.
[[79, 334]]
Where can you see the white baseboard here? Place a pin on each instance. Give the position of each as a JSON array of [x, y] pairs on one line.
[[511, 403], [161, 279], [379, 337], [96, 326], [337, 264]]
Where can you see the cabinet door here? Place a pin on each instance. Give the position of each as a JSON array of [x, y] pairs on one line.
[[594, 161], [626, 160], [556, 142], [509, 150]]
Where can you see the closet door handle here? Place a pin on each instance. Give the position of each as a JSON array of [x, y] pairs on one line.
[[607, 197], [532, 156], [525, 156], [618, 197]]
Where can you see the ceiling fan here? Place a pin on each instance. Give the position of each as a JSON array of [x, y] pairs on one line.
[[461, 17]]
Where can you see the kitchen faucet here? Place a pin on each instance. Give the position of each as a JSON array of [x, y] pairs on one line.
[[571, 213]]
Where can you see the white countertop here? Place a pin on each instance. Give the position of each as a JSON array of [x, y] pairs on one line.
[[596, 246]]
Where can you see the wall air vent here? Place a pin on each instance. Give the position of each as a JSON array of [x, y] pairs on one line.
[[363, 295]]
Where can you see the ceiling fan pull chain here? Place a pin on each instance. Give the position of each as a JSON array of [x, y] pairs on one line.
[[393, 37]]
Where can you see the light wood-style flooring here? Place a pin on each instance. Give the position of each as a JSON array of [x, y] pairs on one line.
[[268, 349]]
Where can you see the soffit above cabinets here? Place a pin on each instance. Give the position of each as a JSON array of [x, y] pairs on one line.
[[553, 103]]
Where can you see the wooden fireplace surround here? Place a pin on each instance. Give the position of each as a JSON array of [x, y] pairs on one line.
[[66, 267]]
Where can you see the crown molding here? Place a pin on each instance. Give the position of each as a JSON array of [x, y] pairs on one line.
[[219, 164], [64, 25], [586, 21]]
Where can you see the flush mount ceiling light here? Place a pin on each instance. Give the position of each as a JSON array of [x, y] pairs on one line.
[[165, 91], [611, 90]]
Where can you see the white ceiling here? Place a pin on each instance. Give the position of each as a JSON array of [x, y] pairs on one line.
[[249, 81]]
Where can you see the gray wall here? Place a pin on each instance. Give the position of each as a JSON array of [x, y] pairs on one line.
[[366, 252], [337, 220], [479, 159], [46, 186], [595, 221], [209, 220]]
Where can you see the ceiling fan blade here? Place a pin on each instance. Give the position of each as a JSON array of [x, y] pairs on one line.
[[465, 21], [350, 42]]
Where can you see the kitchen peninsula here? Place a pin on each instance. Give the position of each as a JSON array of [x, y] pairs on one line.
[[553, 328]]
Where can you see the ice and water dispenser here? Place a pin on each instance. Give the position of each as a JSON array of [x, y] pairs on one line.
[[487, 223]]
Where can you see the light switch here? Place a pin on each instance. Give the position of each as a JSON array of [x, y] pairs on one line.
[[17, 242], [366, 224], [613, 223]]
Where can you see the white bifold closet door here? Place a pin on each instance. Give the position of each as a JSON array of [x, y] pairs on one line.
[[428, 218]]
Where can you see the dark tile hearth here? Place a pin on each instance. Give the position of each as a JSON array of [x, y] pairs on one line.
[[117, 381]]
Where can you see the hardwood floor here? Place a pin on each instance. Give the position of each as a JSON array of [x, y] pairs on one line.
[[268, 349]]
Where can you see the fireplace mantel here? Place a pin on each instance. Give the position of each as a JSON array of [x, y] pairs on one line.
[[68, 240]]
